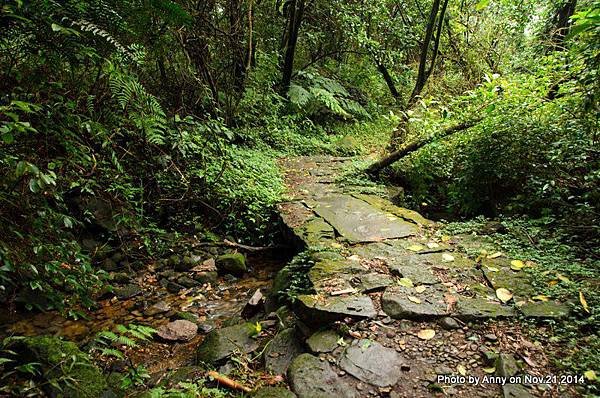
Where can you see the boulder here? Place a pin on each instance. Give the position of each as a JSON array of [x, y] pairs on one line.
[[220, 344], [281, 351], [234, 263], [62, 360], [310, 377], [179, 330], [372, 363]]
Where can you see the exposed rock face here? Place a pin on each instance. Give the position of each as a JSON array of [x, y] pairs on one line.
[[180, 330], [403, 303], [312, 378], [319, 310], [234, 263], [220, 344], [281, 351], [372, 363], [273, 392]]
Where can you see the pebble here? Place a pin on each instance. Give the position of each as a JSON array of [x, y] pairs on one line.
[[491, 337]]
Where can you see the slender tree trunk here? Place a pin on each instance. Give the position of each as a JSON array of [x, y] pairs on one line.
[[295, 13], [388, 79]]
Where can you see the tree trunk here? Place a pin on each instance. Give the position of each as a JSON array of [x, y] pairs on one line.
[[388, 80], [295, 12], [411, 147], [561, 24]]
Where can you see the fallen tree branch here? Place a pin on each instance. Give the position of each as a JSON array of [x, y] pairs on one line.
[[411, 147], [227, 382]]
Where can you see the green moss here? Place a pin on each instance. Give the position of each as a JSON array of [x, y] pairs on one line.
[[64, 363], [234, 263]]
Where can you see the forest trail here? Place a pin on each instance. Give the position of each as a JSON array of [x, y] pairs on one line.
[[417, 307]]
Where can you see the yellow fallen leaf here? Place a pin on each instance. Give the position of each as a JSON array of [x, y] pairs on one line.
[[461, 369], [590, 375], [540, 297], [584, 303], [420, 289], [489, 370], [406, 282], [354, 258], [336, 245], [553, 283], [433, 245], [563, 278], [447, 258], [445, 238], [426, 334], [504, 294], [414, 299], [415, 248], [493, 269], [495, 255], [517, 265]]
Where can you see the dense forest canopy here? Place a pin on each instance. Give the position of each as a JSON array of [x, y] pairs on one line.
[[135, 123]]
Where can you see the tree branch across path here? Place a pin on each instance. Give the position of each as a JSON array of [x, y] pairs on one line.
[[413, 146]]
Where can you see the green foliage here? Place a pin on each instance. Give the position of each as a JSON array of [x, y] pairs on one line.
[[188, 390]]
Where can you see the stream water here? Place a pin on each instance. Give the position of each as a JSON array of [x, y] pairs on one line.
[[210, 304]]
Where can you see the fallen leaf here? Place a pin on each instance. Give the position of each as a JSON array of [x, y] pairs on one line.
[[529, 361], [426, 334], [504, 294], [563, 278], [584, 303], [336, 245], [354, 258], [462, 370], [590, 375], [553, 283], [445, 238], [450, 301], [495, 255], [517, 265], [405, 282], [540, 297], [415, 248], [489, 370], [414, 299], [493, 269], [420, 289], [447, 258], [433, 245]]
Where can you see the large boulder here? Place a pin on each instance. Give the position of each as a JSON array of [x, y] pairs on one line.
[[220, 344], [234, 263], [59, 361]]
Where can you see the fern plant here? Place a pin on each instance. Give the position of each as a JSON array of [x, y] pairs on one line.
[[106, 342], [319, 94]]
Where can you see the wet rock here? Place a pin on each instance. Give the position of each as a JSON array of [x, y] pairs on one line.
[[323, 341], [187, 316], [128, 291], [220, 344], [234, 263], [481, 308], [318, 310], [398, 303], [449, 323], [372, 363], [187, 282], [157, 308], [254, 305], [180, 330], [273, 392], [312, 378], [281, 351], [206, 327], [185, 264], [548, 309], [85, 379], [206, 276]]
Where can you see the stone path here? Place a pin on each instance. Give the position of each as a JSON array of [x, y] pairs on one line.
[[383, 270]]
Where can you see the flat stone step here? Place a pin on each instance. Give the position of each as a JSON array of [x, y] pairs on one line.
[[359, 222]]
